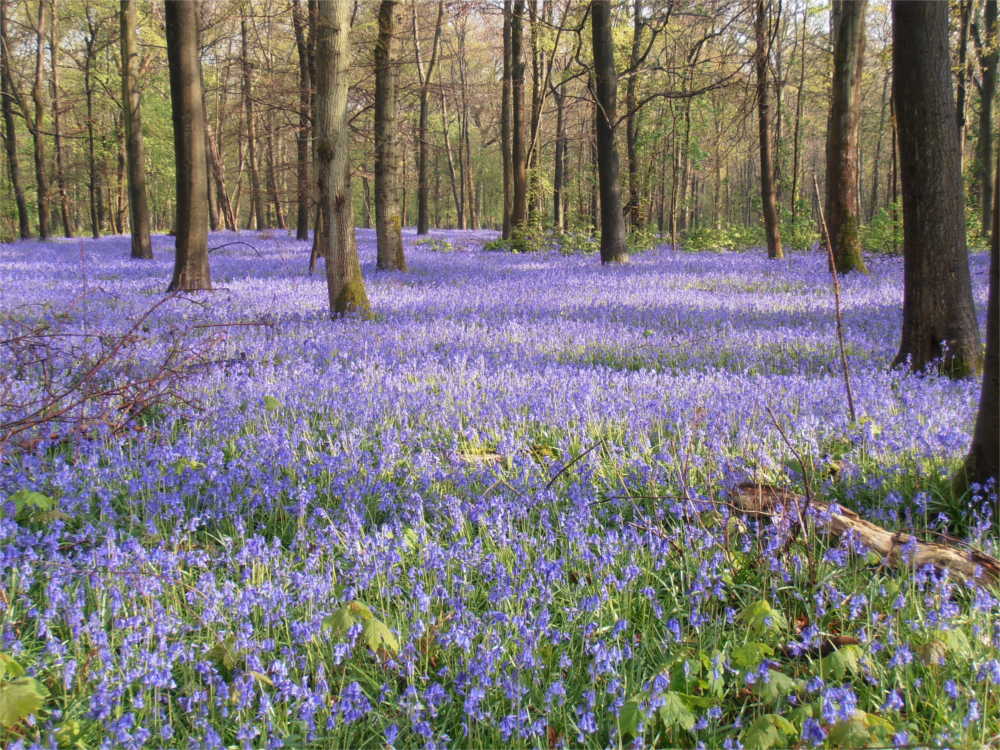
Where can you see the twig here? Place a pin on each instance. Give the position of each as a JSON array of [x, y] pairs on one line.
[[237, 242], [567, 466], [836, 298]]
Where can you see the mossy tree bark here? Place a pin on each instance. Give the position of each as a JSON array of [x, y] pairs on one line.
[[135, 153], [613, 248], [345, 286], [939, 321], [388, 218], [191, 260], [847, 25]]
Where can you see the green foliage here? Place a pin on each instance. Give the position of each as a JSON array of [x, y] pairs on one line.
[[732, 237], [761, 618], [767, 731], [642, 239], [20, 696], [435, 245], [375, 633], [799, 232], [883, 234]]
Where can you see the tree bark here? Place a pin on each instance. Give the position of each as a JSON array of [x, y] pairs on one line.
[[939, 321], [506, 154], [10, 131], [797, 128], [256, 196], [94, 191], [559, 171], [191, 270], [989, 55], [962, 74], [519, 161], [847, 27], [632, 117], [38, 97], [423, 142], [302, 134], [135, 153], [345, 285], [769, 200], [64, 213], [613, 248], [388, 222]]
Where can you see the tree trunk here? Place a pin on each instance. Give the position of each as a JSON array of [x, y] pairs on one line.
[[797, 128], [64, 213], [256, 196], [769, 200], [632, 117], [388, 222], [345, 285], [302, 134], [519, 162], [272, 176], [423, 142], [135, 153], [191, 270], [10, 131], [613, 249], [989, 55], [877, 161], [962, 74], [38, 96], [939, 321], [983, 461], [847, 27], [94, 192], [559, 171], [506, 154]]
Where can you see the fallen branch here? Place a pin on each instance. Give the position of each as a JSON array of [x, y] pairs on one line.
[[896, 547]]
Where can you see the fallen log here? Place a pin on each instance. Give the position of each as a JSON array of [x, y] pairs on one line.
[[896, 547]]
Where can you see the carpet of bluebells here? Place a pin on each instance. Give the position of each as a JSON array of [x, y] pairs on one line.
[[494, 515]]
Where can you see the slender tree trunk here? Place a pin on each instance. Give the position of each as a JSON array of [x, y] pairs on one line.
[[388, 222], [989, 55], [64, 213], [302, 134], [613, 249], [272, 176], [877, 161], [456, 189], [519, 162], [423, 138], [506, 153], [962, 74], [256, 195], [135, 152], [38, 96], [842, 218], [10, 131], [559, 171], [191, 270], [632, 117], [94, 190], [797, 134], [939, 321], [769, 201], [345, 285]]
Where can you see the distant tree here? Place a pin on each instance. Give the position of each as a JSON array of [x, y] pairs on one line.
[[983, 461], [388, 219], [299, 23], [135, 153], [7, 95], [256, 216], [847, 26], [939, 321], [345, 285], [519, 155], [613, 249], [988, 53], [424, 73], [36, 124], [191, 259], [768, 193]]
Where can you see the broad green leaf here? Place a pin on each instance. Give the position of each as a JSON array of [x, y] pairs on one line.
[[9, 668], [675, 712], [375, 632], [19, 699], [183, 464], [851, 732], [629, 718], [778, 686], [225, 657], [761, 617], [379, 637], [272, 404], [767, 731], [943, 644], [842, 662], [750, 655], [28, 503], [880, 727]]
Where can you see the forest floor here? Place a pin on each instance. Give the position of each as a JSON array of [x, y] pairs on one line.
[[495, 515]]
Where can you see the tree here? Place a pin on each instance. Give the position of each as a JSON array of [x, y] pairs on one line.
[[37, 125], [345, 285], [302, 134], [191, 259], [388, 221], [939, 320], [989, 55], [519, 156], [768, 194], [135, 153], [847, 27], [983, 461], [613, 249], [423, 144], [256, 217], [10, 132]]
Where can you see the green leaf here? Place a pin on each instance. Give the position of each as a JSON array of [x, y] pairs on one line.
[[750, 655], [945, 643], [842, 662], [272, 404], [629, 718], [183, 464], [375, 632], [379, 637], [225, 657], [851, 732], [761, 617], [675, 711], [778, 686], [28, 503], [9, 668], [19, 699], [767, 731]]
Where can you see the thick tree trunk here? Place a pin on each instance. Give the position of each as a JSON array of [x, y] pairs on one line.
[[10, 131], [847, 27], [983, 461], [388, 222], [38, 96], [613, 248], [519, 161], [345, 285], [939, 321], [768, 197], [302, 134], [989, 55], [191, 270], [256, 195], [135, 153], [423, 142]]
